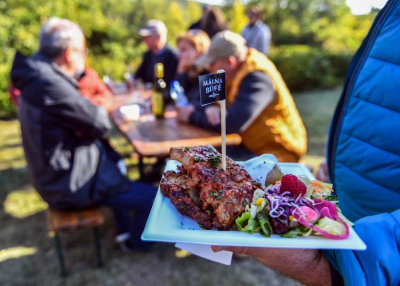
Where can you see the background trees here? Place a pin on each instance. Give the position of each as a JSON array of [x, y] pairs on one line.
[[313, 40]]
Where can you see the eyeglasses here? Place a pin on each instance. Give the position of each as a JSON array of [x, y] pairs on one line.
[[82, 51], [194, 32]]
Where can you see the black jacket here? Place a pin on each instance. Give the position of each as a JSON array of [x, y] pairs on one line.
[[191, 88], [146, 68], [63, 136]]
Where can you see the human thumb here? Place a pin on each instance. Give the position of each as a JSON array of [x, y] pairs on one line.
[[220, 248]]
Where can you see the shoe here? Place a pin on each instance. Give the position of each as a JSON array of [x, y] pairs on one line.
[[129, 247], [122, 237]]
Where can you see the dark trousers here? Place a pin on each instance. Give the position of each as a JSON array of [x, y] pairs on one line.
[[239, 153], [131, 210]]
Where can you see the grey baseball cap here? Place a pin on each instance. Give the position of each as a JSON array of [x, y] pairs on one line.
[[153, 27], [223, 45]]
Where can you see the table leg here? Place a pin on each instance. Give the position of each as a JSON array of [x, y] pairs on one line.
[[97, 244], [141, 167], [60, 255]]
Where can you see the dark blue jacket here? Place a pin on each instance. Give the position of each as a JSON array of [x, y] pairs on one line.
[[364, 155], [63, 136], [167, 57]]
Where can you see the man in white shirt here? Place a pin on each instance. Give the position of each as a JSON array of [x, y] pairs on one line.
[[256, 33]]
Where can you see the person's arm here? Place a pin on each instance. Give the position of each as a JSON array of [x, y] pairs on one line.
[[255, 93], [103, 96], [141, 71], [377, 265], [94, 89], [380, 263], [170, 69], [244, 34], [309, 267], [66, 105], [14, 94], [181, 78], [267, 35], [260, 41]]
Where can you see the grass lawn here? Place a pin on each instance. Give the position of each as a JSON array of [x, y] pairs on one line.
[[27, 256]]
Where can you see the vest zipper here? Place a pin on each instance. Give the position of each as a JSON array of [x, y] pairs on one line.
[[350, 87]]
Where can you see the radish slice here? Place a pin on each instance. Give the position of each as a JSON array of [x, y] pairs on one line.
[[305, 213]]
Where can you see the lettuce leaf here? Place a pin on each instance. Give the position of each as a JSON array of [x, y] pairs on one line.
[[293, 233], [247, 224], [331, 226], [265, 224]]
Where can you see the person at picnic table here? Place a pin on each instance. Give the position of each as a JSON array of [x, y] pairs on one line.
[[191, 46], [259, 105], [93, 88], [90, 86], [213, 21], [154, 35], [64, 135], [256, 33], [364, 167], [197, 25]]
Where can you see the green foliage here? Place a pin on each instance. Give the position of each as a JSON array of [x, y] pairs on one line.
[[313, 41], [304, 67], [236, 16], [314, 23], [110, 27], [327, 30]]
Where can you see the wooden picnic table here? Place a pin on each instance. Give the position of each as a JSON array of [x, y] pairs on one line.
[[154, 138]]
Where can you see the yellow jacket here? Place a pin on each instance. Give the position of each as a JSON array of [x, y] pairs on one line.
[[279, 129]]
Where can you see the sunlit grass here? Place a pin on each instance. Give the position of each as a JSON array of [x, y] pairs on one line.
[[21, 204], [180, 253], [11, 153], [120, 143], [16, 252], [21, 201], [312, 161], [316, 109]]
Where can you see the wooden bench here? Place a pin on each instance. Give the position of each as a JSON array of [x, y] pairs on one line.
[[71, 220]]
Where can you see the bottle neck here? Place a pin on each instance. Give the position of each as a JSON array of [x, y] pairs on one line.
[[159, 71]]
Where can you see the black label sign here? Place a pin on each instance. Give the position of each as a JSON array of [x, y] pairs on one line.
[[212, 88]]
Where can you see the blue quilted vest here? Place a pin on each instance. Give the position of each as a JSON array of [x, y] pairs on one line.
[[364, 144]]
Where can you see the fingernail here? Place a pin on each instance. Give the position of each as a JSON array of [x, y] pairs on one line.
[[220, 248]]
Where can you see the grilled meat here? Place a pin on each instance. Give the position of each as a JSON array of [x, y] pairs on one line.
[[186, 200], [205, 192]]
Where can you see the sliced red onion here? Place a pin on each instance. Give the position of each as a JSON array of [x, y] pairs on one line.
[[325, 233], [328, 209]]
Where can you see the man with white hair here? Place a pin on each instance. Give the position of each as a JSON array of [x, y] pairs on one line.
[[64, 134], [154, 35]]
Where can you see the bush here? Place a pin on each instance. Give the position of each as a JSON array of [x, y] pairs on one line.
[[7, 109], [304, 67], [111, 29]]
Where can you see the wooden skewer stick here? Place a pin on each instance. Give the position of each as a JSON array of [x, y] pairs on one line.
[[223, 129], [223, 132]]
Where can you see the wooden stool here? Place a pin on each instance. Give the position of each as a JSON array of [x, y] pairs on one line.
[[71, 220]]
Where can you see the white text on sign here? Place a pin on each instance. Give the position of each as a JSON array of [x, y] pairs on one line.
[[212, 85]]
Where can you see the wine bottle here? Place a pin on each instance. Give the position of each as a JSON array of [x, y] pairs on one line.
[[158, 91]]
